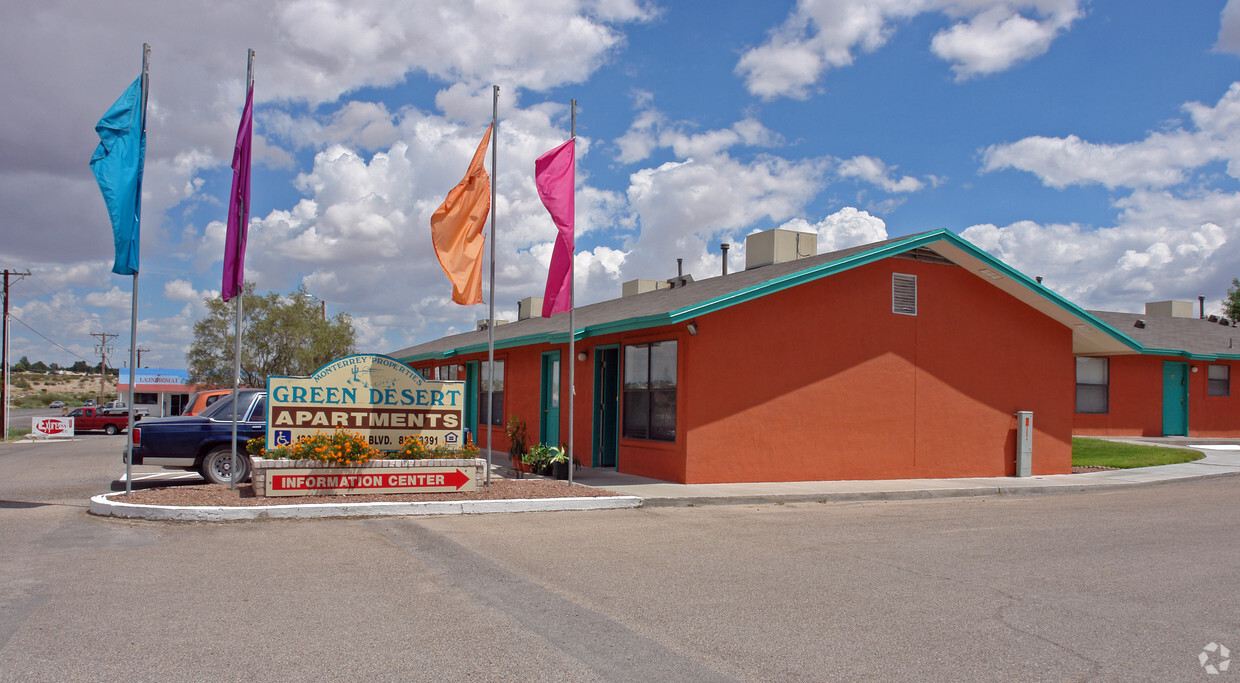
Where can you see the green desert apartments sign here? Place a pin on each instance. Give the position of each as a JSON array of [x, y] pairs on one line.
[[377, 396]]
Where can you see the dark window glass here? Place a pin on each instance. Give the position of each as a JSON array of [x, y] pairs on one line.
[[650, 391], [259, 412], [494, 414]]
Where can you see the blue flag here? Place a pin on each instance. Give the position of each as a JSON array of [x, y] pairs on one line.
[[117, 164]]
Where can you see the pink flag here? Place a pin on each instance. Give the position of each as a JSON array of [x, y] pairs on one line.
[[554, 175], [239, 204]]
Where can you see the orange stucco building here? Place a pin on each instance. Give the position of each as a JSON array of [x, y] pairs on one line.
[[1175, 379], [902, 359]]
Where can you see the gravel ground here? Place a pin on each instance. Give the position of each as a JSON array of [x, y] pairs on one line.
[[217, 495]]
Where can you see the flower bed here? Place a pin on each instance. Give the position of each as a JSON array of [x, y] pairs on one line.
[[342, 452]]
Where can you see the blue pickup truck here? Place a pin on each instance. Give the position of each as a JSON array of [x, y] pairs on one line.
[[203, 442]]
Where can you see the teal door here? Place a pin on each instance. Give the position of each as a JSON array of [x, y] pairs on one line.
[[606, 406], [471, 399], [1175, 399], [549, 428]]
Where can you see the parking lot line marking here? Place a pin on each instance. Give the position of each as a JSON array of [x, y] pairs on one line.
[[144, 476]]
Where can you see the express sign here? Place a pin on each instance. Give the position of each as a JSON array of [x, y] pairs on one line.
[[52, 426], [378, 396]]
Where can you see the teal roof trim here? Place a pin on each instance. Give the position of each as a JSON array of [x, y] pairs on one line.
[[478, 348], [1035, 286], [800, 277], [809, 274], [1189, 355]]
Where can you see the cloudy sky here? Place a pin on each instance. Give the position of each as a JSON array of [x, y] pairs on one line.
[[1092, 142]]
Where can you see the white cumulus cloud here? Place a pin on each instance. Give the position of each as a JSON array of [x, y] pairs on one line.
[[988, 36], [1162, 159]]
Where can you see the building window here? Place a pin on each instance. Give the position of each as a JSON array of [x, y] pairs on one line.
[[1219, 380], [650, 391], [494, 413], [446, 373], [903, 294], [1091, 385]]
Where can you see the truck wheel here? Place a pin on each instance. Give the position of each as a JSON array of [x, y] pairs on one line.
[[217, 466], [110, 430]]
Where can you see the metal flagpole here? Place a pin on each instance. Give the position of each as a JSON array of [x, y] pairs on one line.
[[491, 317], [572, 305], [232, 477], [133, 313]]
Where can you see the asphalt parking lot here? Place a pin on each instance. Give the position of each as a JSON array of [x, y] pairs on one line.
[[1122, 584]]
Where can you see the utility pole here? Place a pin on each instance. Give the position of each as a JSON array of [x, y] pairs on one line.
[[4, 355], [103, 349], [131, 373]]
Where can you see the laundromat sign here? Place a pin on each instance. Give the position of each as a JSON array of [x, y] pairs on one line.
[[377, 396]]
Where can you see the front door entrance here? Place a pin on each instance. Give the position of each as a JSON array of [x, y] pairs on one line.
[[1175, 399], [549, 427], [606, 406], [471, 399]]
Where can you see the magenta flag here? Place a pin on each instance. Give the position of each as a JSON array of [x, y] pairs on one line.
[[554, 175], [239, 204]]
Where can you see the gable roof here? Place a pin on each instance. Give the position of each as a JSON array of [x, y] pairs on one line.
[[1191, 338], [682, 303]]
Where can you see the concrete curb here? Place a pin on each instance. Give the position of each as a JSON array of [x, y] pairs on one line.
[[917, 494], [103, 505]]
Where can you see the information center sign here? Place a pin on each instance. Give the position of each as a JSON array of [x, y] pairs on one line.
[[374, 395], [307, 482]]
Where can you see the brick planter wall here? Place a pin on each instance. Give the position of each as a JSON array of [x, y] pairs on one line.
[[260, 466]]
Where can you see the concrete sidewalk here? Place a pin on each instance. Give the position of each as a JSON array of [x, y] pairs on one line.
[[1222, 459]]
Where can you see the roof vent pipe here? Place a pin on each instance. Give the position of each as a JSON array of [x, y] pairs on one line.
[[679, 268], [1039, 279], [724, 248], [1201, 299]]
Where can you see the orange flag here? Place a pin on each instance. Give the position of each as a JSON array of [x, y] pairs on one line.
[[456, 229]]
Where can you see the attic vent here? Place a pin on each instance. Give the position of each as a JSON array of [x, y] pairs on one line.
[[926, 255], [903, 294]]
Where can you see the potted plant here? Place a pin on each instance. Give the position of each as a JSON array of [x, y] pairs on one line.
[[539, 458], [517, 438], [559, 463]]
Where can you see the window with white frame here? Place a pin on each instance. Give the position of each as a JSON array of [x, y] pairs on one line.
[[1092, 385], [1219, 380]]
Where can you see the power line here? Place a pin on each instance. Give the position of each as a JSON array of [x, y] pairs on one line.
[[49, 341]]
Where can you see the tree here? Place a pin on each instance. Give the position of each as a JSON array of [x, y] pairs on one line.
[[22, 365], [281, 335], [1231, 304], [39, 366], [80, 366]]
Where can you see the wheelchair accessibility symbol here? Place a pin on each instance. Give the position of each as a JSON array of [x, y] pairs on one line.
[[284, 437]]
